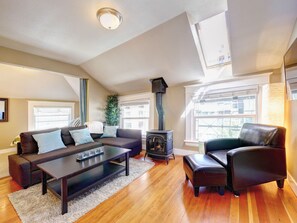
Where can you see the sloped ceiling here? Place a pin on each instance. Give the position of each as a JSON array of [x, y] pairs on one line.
[[69, 31], [19, 82], [259, 33], [167, 50], [153, 40]]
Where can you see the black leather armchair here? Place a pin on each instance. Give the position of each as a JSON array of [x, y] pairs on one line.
[[257, 156]]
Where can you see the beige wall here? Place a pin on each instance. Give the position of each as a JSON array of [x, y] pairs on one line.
[[174, 107], [97, 93], [291, 125], [97, 100], [18, 121]]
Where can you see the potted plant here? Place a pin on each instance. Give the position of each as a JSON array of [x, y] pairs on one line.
[[112, 110]]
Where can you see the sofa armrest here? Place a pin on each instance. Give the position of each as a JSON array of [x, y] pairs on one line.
[[252, 165], [129, 133], [221, 144], [19, 148], [19, 170]]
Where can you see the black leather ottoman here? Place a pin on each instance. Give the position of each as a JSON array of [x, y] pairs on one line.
[[202, 170]]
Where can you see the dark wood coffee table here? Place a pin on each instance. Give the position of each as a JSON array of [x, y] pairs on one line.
[[72, 178]]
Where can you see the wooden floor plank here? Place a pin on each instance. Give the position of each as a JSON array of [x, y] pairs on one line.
[[163, 195]]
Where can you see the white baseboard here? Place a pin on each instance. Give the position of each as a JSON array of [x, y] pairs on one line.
[[292, 183], [184, 152], [8, 150]]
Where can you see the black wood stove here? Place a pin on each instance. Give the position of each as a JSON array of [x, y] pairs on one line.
[[159, 143]]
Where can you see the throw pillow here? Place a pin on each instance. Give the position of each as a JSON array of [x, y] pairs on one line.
[[75, 122], [49, 141], [81, 136], [95, 127], [110, 132]]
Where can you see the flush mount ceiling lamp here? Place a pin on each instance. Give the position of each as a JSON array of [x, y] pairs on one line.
[[109, 18]]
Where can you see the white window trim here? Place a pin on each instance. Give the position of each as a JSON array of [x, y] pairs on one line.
[[32, 104], [138, 97], [220, 86]]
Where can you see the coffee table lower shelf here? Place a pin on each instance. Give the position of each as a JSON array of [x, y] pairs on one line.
[[84, 181]]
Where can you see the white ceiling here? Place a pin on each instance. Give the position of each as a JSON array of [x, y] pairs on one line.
[[167, 50], [153, 40], [69, 31], [259, 33]]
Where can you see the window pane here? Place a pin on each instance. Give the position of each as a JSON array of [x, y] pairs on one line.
[[133, 111], [224, 127], [51, 117], [142, 124], [226, 106], [213, 36], [135, 116], [223, 117]]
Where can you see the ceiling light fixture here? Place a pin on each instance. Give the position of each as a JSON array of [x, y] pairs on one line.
[[109, 18]]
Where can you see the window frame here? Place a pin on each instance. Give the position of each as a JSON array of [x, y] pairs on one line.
[[220, 86], [139, 98], [255, 116], [33, 104], [202, 47]]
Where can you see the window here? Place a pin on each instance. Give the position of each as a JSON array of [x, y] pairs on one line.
[[213, 36], [223, 117], [44, 115], [136, 112], [135, 115], [220, 108]]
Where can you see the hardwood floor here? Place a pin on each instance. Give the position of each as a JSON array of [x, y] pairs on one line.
[[163, 195]]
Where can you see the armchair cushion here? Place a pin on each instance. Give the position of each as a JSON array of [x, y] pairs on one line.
[[221, 144], [220, 156], [262, 135]]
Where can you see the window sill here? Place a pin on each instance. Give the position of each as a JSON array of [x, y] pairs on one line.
[[191, 143]]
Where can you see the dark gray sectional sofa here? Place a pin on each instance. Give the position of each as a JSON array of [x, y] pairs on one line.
[[22, 166]]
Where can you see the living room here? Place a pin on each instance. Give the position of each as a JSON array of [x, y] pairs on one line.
[[212, 88]]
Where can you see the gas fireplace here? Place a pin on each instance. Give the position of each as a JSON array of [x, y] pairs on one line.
[[159, 143]]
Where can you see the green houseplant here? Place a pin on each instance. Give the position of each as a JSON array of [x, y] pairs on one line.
[[112, 110]]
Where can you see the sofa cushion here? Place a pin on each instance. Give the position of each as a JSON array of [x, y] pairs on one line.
[[66, 136], [40, 158], [28, 143], [49, 141], [220, 156], [120, 142]]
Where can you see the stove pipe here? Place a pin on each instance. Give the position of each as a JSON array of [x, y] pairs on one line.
[[159, 87]]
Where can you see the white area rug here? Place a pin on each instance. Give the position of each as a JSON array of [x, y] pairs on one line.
[[31, 206]]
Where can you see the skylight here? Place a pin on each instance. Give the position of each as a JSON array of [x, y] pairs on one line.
[[213, 36]]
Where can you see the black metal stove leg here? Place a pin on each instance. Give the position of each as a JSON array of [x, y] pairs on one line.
[[145, 155]]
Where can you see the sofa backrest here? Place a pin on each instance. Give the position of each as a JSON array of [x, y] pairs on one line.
[[129, 133], [29, 145], [263, 135], [66, 137]]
